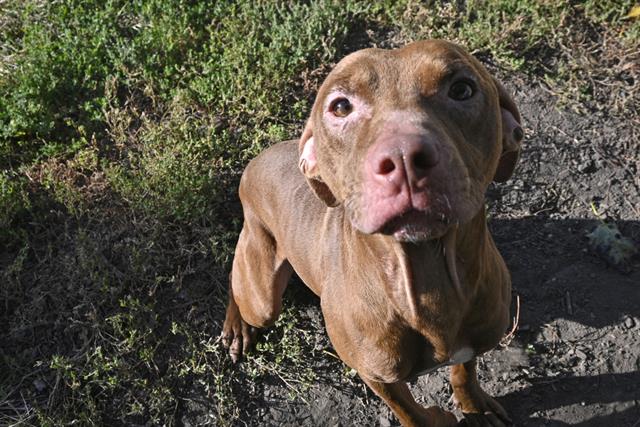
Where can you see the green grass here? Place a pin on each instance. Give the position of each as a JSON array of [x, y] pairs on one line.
[[124, 127]]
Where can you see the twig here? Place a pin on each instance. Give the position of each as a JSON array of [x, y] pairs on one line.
[[506, 340], [331, 354]]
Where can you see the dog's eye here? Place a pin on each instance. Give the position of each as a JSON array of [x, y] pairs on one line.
[[461, 90], [341, 107]]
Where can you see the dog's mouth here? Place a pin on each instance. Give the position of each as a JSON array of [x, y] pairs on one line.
[[416, 225]]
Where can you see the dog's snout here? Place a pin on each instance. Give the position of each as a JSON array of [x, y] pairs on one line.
[[404, 157], [400, 176]]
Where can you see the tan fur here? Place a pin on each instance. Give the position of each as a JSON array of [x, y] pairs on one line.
[[393, 309]]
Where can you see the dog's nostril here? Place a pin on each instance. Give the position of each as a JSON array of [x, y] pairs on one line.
[[425, 159], [421, 161], [386, 167]]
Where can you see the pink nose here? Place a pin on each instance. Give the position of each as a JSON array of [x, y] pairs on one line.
[[403, 158]]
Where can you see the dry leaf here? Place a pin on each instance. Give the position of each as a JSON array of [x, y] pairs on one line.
[[616, 249], [635, 12]]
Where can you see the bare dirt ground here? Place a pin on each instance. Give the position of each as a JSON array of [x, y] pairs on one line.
[[575, 358]]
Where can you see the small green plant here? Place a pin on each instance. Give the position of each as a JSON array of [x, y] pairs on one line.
[[283, 353]]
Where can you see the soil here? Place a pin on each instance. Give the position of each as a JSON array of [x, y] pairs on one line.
[[575, 357]]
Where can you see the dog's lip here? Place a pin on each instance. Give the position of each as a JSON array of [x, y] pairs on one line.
[[414, 221]]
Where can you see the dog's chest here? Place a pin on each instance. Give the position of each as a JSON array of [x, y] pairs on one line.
[[400, 350], [397, 355], [408, 319]]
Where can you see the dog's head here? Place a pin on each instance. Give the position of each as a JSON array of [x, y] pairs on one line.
[[409, 139]]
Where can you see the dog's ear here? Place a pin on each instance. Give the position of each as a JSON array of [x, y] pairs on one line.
[[308, 165], [512, 135]]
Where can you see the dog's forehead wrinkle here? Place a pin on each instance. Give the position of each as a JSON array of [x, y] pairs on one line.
[[427, 72], [356, 76]]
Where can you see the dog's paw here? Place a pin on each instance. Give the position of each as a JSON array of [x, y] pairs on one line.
[[438, 417], [484, 411], [237, 335]]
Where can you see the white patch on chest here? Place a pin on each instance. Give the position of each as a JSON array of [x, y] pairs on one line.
[[459, 356], [462, 355]]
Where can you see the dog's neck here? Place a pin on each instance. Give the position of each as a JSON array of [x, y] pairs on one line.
[[422, 278]]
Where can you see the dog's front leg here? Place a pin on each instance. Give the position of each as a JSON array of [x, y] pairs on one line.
[[478, 407], [408, 411]]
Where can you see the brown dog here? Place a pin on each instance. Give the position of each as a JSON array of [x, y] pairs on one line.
[[386, 223]]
